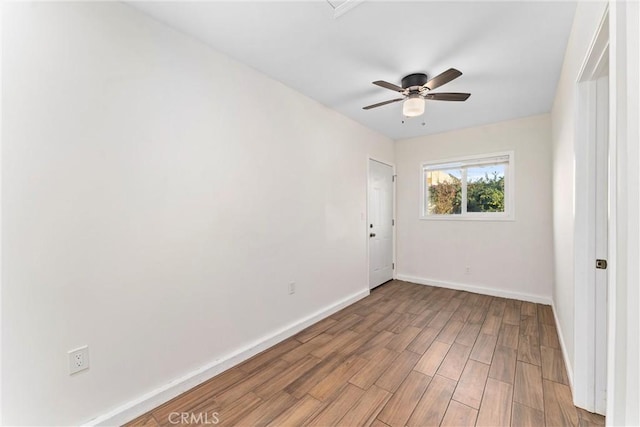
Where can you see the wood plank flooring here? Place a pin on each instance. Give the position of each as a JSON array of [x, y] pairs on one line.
[[407, 355]]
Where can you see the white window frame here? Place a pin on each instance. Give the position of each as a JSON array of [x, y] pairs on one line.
[[509, 185]]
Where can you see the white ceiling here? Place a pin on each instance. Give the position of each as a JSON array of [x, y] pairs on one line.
[[510, 53]]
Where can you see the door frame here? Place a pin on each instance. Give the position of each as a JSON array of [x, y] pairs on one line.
[[395, 219], [624, 294], [584, 372]]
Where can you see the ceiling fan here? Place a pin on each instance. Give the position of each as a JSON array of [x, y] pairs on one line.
[[416, 88]]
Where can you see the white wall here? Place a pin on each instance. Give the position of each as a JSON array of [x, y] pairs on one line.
[[510, 258], [586, 21], [157, 199]]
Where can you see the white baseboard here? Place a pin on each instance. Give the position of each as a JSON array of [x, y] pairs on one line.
[[136, 407], [485, 290], [567, 363]]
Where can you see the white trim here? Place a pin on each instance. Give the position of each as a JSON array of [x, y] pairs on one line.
[[487, 216], [1, 275], [623, 391], [567, 363], [469, 161], [459, 160], [394, 188], [478, 289], [612, 418], [142, 404]]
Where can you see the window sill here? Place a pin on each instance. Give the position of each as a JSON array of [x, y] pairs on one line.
[[508, 218]]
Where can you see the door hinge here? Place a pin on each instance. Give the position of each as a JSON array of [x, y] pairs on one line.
[[393, 222], [601, 264], [393, 178], [393, 265]]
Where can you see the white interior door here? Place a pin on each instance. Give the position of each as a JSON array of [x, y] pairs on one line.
[[601, 241], [594, 213], [380, 223]]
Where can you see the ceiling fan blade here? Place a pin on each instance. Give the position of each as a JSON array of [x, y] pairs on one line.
[[452, 96], [388, 85], [443, 78], [380, 104]]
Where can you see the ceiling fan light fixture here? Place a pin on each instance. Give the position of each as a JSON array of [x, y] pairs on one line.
[[413, 106]]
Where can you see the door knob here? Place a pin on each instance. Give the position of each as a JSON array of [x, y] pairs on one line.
[[372, 234]]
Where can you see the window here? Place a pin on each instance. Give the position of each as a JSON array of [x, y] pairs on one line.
[[476, 187]]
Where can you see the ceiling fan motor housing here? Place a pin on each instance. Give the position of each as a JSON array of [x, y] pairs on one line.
[[412, 80]]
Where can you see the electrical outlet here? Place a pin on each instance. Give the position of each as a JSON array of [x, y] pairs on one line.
[[78, 359], [292, 288], [467, 270]]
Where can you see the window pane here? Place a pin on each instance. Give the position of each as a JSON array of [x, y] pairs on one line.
[[444, 191], [485, 188]]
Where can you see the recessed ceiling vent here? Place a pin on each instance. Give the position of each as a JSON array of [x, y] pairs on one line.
[[340, 7]]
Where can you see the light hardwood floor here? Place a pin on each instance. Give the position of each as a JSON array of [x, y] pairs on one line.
[[407, 355]]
